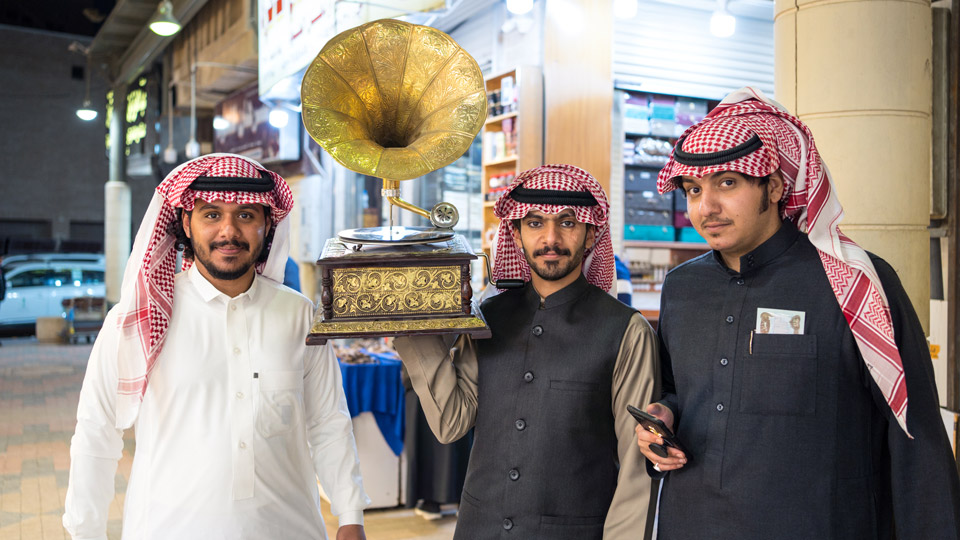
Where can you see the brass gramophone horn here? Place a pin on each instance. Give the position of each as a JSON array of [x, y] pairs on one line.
[[394, 100]]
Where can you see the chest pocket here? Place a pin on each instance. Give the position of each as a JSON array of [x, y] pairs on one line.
[[779, 377], [280, 402]]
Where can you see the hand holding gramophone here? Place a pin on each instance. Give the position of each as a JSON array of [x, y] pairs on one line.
[[395, 100]]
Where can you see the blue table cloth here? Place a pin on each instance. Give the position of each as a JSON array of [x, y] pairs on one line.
[[378, 389]]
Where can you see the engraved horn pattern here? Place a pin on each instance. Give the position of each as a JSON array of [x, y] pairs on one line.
[[393, 100]]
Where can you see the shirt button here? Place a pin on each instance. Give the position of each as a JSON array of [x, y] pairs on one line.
[[537, 330], [239, 395], [528, 376], [514, 474], [520, 424], [233, 307], [724, 361], [730, 318], [719, 407], [242, 445], [236, 350], [507, 524], [740, 282]]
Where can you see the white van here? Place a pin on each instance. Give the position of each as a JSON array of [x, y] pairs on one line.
[[36, 285]]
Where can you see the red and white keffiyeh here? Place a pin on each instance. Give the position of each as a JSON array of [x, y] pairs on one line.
[[812, 204], [508, 260], [146, 295]]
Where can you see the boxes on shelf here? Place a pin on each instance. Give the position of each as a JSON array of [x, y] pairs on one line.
[[689, 234], [641, 216], [663, 115], [649, 199], [660, 233], [648, 152], [636, 114], [681, 218], [689, 112]]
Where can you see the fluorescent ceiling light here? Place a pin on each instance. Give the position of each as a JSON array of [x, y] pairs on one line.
[[624, 9], [220, 123]]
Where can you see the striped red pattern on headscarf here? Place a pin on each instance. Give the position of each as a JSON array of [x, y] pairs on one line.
[[509, 262], [812, 204], [146, 301]]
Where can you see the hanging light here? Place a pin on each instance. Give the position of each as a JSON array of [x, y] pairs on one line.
[[625, 9], [164, 23], [722, 23], [86, 112], [519, 7]]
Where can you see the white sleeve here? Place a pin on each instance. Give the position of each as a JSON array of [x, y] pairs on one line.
[[97, 444], [330, 435]]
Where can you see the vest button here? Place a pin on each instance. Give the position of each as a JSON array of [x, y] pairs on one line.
[[507, 524], [740, 282], [729, 318], [719, 407], [528, 376], [520, 424], [514, 474], [724, 361], [537, 330]]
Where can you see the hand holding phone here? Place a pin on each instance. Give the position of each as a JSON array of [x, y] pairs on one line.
[[657, 427]]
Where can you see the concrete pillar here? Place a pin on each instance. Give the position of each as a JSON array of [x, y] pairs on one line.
[[116, 214], [859, 74]]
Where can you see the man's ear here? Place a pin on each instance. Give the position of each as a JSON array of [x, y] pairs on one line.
[[516, 238], [185, 221], [775, 187], [591, 237]]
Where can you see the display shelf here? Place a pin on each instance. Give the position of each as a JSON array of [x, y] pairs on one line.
[[512, 135]]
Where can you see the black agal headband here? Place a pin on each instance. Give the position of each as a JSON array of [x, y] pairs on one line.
[[553, 197], [716, 158], [264, 184]]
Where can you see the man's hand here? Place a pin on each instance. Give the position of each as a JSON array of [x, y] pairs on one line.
[[645, 438], [351, 532]]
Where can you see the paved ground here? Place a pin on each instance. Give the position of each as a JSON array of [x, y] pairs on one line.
[[39, 388]]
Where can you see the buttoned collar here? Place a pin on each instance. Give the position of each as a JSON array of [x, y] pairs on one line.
[[208, 291], [772, 248], [564, 295]]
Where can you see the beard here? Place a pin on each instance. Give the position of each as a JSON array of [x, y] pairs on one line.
[[555, 270], [242, 265]]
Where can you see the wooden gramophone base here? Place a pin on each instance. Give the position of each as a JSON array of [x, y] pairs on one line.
[[396, 290], [322, 330]]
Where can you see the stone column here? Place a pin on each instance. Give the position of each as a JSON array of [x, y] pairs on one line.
[[859, 74], [116, 215]]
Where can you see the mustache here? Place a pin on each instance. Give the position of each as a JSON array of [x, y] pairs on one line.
[[234, 243], [551, 249], [708, 222]]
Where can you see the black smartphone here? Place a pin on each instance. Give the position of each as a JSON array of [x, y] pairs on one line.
[[657, 427]]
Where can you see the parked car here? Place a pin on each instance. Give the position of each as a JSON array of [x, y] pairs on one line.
[[36, 286]]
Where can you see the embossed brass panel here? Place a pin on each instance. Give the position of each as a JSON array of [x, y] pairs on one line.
[[387, 291]]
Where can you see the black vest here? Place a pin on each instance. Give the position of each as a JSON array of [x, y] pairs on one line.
[[544, 460]]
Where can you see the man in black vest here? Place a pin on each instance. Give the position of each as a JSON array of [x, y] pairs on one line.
[[554, 456]]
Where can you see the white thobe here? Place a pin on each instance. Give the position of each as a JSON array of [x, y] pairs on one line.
[[239, 420]]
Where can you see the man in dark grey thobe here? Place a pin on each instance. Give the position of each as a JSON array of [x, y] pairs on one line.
[[795, 370]]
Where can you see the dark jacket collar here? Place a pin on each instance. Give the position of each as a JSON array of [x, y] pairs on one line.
[[570, 292], [772, 248]]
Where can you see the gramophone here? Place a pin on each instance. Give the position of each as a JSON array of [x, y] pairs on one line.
[[396, 101]]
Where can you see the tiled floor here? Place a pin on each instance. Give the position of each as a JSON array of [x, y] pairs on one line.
[[39, 388]]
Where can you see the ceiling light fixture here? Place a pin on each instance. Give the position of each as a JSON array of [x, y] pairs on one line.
[[164, 23], [722, 23], [625, 9], [86, 112], [519, 7]]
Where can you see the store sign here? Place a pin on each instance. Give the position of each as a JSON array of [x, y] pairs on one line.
[[243, 127], [292, 32], [136, 117]]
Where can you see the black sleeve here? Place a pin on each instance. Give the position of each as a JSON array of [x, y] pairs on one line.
[[924, 480], [668, 396]]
